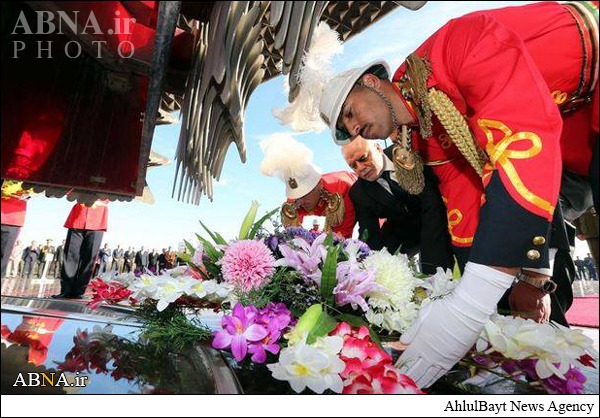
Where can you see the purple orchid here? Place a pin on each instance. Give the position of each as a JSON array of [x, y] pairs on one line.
[[238, 330], [276, 313], [269, 343], [353, 284], [275, 317], [303, 257], [572, 384]]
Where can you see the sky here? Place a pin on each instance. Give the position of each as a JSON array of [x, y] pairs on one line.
[[168, 222]]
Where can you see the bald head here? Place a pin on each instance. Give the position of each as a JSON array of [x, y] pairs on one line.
[[364, 157]]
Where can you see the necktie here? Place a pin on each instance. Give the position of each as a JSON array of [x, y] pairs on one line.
[[394, 187]]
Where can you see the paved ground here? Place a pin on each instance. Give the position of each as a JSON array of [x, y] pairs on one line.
[[585, 287]]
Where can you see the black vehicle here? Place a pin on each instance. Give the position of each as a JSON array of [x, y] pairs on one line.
[[62, 347]]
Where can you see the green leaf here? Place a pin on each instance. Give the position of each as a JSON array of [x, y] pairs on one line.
[[210, 249], [328, 241], [329, 279], [248, 220], [325, 324], [221, 240], [364, 237], [352, 320], [375, 337], [259, 223], [184, 256], [190, 247], [215, 237]]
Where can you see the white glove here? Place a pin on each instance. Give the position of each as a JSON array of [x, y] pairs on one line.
[[447, 328]]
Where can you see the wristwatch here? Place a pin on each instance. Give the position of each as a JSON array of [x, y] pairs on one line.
[[547, 286]]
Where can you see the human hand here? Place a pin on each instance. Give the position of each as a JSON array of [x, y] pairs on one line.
[[447, 328], [528, 301]]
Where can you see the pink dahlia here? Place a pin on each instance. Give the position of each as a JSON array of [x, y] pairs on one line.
[[247, 264]]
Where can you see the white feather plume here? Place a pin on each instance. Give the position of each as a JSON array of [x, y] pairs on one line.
[[303, 113], [285, 157]]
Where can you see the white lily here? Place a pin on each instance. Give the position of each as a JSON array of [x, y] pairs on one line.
[[317, 367], [167, 293]]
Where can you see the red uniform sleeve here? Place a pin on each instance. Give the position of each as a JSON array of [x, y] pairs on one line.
[[13, 211], [342, 184], [462, 192], [509, 109], [93, 218]]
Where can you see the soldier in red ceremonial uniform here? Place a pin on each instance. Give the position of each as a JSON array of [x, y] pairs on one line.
[[86, 228], [329, 197], [36, 333], [13, 218], [308, 191], [498, 102]]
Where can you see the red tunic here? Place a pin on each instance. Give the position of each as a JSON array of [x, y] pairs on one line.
[[504, 70], [35, 332], [13, 211], [92, 218], [336, 182]]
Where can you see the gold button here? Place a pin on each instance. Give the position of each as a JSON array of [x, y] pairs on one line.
[[539, 240], [533, 254]]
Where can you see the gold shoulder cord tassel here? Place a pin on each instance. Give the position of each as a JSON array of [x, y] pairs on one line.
[[436, 102], [418, 71], [408, 165], [334, 213], [289, 215], [455, 124]]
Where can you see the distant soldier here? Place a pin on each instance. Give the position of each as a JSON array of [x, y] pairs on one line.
[[581, 269], [46, 258], [13, 218], [86, 229]]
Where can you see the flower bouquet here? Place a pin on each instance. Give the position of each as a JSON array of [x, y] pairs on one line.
[[166, 304], [314, 308]]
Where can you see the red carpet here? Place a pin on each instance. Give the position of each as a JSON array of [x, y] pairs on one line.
[[584, 312]]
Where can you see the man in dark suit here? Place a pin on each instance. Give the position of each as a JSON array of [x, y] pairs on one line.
[[153, 261], [141, 260], [31, 256], [105, 256], [118, 259], [392, 218], [59, 257], [129, 260]]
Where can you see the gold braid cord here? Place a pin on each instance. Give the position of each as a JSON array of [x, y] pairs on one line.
[[334, 213], [454, 123], [289, 215], [419, 71]]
